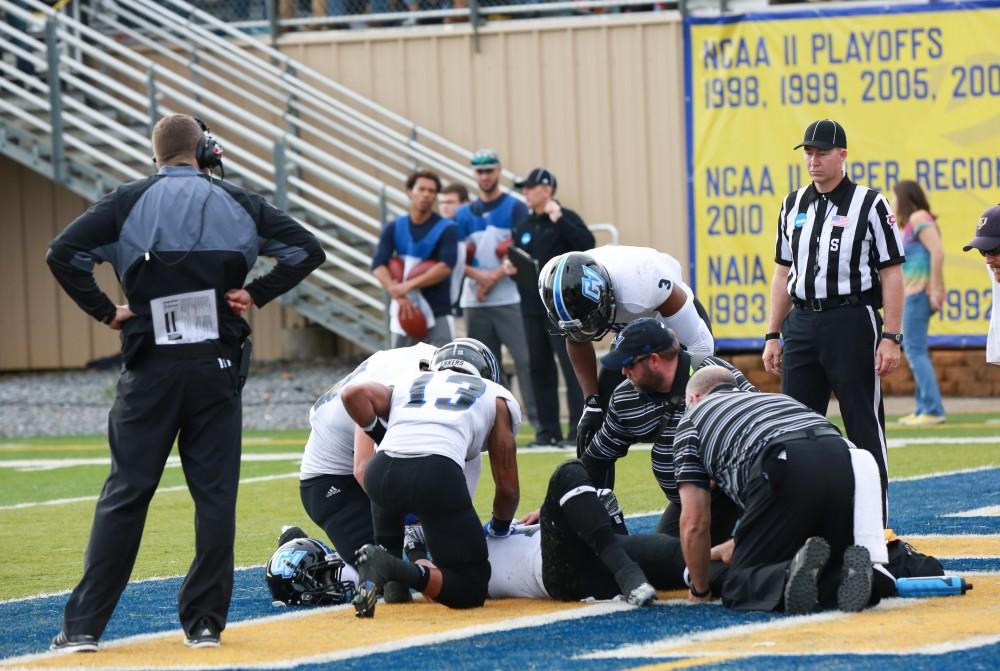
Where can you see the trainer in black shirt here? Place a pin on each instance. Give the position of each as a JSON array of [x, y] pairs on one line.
[[838, 257], [646, 408]]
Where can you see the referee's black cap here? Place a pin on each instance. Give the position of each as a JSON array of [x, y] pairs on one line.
[[638, 340], [824, 134], [987, 231]]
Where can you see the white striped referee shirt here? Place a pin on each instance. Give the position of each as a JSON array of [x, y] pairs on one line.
[[836, 243], [721, 437]]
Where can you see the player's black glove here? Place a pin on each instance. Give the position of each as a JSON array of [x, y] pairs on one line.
[[589, 424]]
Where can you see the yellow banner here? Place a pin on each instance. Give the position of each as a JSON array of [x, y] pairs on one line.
[[916, 87]]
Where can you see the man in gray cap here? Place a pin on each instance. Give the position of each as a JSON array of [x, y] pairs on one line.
[[987, 241]]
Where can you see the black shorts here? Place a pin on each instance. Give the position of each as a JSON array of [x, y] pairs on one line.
[[339, 505]]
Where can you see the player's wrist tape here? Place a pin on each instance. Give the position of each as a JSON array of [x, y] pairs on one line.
[[375, 430], [700, 595], [500, 527]]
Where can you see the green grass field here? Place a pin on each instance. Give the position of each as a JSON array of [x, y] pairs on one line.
[[266, 504]]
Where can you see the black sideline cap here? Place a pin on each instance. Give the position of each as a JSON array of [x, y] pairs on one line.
[[824, 134], [638, 340]]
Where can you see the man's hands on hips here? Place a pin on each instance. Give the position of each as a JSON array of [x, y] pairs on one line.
[[886, 357], [122, 315], [772, 356], [590, 423], [239, 301]]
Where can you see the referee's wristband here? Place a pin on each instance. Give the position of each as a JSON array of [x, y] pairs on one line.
[[700, 595], [772, 336]]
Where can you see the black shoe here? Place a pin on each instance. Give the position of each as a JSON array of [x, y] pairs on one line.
[[801, 591], [74, 643], [289, 534], [414, 542], [544, 441], [855, 589], [204, 634], [372, 562]]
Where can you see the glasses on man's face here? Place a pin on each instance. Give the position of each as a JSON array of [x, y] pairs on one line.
[[992, 252], [637, 360]]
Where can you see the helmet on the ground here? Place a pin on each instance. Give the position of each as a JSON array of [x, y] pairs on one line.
[[578, 296], [304, 571], [467, 355]]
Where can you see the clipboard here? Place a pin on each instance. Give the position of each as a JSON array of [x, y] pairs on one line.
[[527, 269]]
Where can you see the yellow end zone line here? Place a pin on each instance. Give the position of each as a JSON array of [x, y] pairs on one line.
[[896, 627], [322, 635]]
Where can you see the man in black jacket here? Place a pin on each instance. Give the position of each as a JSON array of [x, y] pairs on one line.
[[548, 231], [181, 244]]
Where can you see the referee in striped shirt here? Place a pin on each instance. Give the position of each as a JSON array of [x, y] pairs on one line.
[[838, 260], [646, 408], [791, 472]]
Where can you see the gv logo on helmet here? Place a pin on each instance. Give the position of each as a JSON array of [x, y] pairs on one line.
[[592, 285], [285, 562]]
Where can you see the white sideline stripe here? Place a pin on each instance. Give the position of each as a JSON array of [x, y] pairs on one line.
[[961, 471], [985, 511], [970, 440], [161, 490], [172, 462], [596, 609]]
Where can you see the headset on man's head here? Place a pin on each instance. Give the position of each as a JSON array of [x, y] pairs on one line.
[[209, 151]]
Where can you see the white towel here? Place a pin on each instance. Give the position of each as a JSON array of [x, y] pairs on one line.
[[868, 506]]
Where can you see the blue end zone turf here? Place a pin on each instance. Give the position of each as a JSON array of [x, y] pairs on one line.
[[917, 508]]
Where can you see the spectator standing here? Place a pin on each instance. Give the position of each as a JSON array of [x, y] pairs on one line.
[[923, 285], [548, 231], [415, 237], [452, 197], [987, 241], [490, 300], [181, 244], [837, 259]]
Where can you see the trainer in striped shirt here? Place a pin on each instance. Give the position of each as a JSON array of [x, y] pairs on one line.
[[720, 438], [634, 417], [844, 257]]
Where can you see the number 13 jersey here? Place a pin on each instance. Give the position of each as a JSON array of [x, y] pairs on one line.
[[446, 413]]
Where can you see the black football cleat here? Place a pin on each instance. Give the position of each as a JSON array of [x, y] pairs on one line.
[[364, 601], [801, 589], [75, 643], [855, 589]]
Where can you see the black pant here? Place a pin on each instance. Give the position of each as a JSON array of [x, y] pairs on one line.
[[434, 489], [724, 516], [808, 493], [834, 350], [339, 505], [542, 346], [195, 401], [570, 568]]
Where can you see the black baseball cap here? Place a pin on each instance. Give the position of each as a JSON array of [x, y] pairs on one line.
[[536, 177], [824, 134], [639, 339], [987, 231]]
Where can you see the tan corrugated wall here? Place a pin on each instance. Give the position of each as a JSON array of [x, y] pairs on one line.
[[42, 327], [597, 100]]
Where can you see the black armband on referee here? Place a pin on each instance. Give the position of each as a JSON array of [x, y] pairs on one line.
[[376, 430]]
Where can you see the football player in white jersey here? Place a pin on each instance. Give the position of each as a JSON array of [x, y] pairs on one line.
[[332, 469], [426, 428], [587, 294]]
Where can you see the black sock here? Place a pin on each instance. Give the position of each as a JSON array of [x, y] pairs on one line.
[[589, 520]]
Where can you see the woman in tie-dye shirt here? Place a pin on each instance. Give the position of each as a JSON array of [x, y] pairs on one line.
[[924, 286]]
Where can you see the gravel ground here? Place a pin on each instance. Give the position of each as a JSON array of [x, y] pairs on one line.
[[276, 396]]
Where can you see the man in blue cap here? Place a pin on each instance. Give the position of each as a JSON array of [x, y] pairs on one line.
[[646, 408]]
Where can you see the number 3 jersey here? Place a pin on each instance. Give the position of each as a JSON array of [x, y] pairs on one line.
[[642, 279], [446, 413]]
